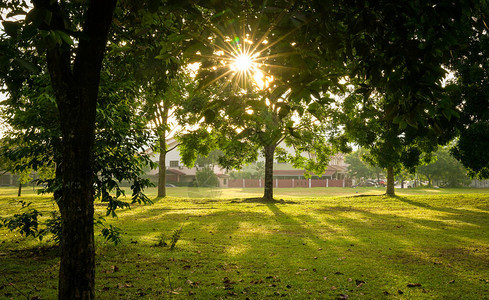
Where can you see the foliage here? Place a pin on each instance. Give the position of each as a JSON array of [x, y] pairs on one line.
[[112, 234], [357, 167], [289, 105], [210, 160], [396, 106], [175, 237], [161, 241], [445, 170], [255, 171], [28, 224], [470, 88], [205, 177]]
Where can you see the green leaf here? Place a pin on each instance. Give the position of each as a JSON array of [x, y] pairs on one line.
[[11, 28], [209, 115], [27, 65], [192, 50], [278, 92], [65, 37]]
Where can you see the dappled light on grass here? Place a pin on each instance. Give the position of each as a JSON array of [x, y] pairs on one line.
[[307, 247], [248, 228], [237, 250]]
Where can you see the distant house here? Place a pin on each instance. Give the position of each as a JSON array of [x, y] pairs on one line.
[[178, 174]]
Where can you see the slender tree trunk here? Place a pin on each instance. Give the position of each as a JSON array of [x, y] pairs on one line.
[[19, 191], [269, 152], [163, 114], [162, 167], [390, 182]]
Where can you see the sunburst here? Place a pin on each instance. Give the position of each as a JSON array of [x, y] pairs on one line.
[[243, 59]]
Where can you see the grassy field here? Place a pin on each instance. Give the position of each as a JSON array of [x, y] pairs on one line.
[[322, 243]]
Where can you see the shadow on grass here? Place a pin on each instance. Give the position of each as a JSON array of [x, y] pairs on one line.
[[249, 245]]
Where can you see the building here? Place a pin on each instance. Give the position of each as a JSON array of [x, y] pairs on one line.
[[284, 173]]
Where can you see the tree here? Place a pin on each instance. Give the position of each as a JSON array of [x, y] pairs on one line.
[[444, 169], [395, 52], [273, 98], [75, 76], [242, 125], [159, 67], [470, 88], [357, 168], [64, 116]]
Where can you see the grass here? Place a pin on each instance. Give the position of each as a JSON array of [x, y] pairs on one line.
[[322, 243]]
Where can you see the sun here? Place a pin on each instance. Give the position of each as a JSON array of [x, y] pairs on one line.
[[245, 66], [242, 63]]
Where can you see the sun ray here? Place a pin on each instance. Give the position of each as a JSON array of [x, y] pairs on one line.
[[241, 50]]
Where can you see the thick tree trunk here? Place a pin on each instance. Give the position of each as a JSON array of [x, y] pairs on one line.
[[77, 267], [390, 182], [75, 80], [269, 152], [162, 168]]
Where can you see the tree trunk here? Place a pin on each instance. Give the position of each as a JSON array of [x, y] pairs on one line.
[[75, 78], [269, 152], [77, 267], [19, 191], [162, 167], [162, 125], [390, 182]]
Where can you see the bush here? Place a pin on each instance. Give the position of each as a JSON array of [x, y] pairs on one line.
[[206, 178]]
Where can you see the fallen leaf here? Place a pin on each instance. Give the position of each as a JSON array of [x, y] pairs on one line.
[[191, 283], [359, 283], [452, 281], [350, 280], [413, 284], [400, 292], [333, 288]]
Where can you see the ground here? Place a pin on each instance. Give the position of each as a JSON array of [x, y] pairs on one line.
[[322, 243]]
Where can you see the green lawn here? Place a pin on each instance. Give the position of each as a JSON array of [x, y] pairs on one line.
[[322, 243]]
